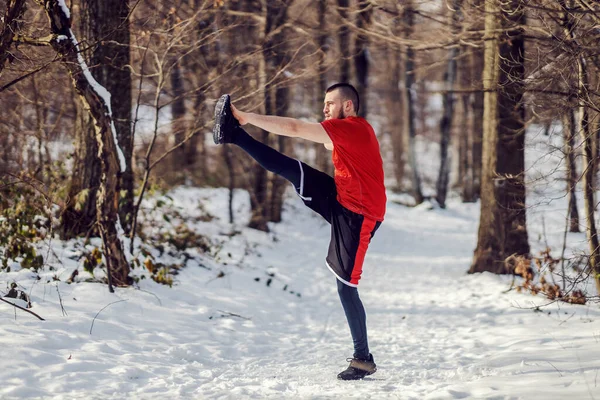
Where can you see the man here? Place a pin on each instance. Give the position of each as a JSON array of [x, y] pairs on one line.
[[353, 202]]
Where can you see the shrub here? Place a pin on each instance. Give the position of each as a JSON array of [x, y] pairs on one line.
[[23, 221]]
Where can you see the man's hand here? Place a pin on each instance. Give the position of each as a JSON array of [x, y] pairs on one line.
[[328, 146], [239, 115]]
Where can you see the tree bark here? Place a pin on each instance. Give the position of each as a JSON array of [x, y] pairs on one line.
[[112, 160], [502, 227]]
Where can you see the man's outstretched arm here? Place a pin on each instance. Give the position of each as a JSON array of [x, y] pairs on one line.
[[283, 126]]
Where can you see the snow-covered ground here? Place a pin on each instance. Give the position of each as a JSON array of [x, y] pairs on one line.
[[259, 317]]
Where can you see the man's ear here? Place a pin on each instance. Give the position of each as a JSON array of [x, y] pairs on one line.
[[348, 106]]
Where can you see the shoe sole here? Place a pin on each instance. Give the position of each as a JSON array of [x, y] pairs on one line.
[[220, 115]]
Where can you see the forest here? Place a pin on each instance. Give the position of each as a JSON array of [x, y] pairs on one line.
[[106, 102]]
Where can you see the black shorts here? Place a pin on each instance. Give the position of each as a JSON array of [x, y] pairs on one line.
[[350, 232]]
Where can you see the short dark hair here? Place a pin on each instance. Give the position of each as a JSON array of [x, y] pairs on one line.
[[348, 92]]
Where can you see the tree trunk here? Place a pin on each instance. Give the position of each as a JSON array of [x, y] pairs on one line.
[[41, 114], [474, 63], [109, 35], [344, 40], [277, 14], [477, 123], [588, 145], [106, 28], [395, 106], [178, 128], [259, 186], [409, 104], [322, 155], [117, 59], [112, 160], [79, 216], [465, 158], [10, 24], [569, 133], [192, 161], [502, 226], [278, 184], [448, 107], [266, 204], [361, 55], [589, 163], [260, 194], [473, 108]]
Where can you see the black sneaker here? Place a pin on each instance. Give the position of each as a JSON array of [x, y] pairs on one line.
[[225, 122], [358, 369]]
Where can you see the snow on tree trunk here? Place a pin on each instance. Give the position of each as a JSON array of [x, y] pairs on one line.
[[97, 100]]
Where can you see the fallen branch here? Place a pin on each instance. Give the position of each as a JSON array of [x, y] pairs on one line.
[[21, 308], [229, 314]]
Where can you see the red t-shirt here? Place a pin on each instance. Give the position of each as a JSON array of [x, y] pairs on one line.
[[358, 166]]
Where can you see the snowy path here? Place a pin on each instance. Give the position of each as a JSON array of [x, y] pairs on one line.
[[435, 332]]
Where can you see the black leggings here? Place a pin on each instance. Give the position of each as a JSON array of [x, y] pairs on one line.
[[269, 158], [357, 318]]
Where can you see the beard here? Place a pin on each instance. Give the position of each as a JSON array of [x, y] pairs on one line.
[[341, 115]]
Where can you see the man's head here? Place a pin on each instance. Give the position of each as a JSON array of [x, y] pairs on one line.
[[341, 101]]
